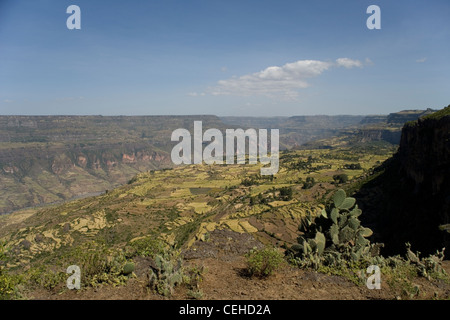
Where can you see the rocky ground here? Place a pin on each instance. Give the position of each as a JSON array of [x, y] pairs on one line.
[[225, 278]]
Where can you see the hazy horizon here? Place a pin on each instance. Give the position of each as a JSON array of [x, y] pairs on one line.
[[202, 115]]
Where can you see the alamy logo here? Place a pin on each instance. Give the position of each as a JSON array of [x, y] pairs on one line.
[[374, 280], [214, 151], [74, 21], [74, 281]]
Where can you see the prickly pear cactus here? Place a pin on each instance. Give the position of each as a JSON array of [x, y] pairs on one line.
[[334, 237], [165, 275], [128, 268], [426, 266]]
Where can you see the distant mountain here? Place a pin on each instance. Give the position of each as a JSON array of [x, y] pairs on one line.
[[298, 130]]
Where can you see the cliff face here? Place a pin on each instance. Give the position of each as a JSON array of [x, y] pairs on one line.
[[366, 135], [45, 159], [410, 197], [387, 128], [407, 115], [39, 175], [424, 155]]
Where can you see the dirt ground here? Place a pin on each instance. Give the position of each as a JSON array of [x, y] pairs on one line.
[[224, 278]]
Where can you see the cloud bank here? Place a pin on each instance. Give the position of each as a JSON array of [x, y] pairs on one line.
[[284, 81]]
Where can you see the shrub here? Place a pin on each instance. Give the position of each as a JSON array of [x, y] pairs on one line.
[[251, 181], [44, 278], [286, 193], [309, 183], [7, 286], [147, 247], [353, 166], [340, 178], [98, 264], [8, 282], [264, 262]]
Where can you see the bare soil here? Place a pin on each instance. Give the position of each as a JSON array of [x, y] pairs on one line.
[[225, 278]]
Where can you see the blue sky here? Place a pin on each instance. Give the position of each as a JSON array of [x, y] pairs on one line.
[[242, 58]]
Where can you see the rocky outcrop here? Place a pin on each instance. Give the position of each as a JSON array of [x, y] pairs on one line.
[[424, 155], [367, 135], [387, 128], [45, 159], [407, 115], [44, 175], [409, 198], [372, 119]]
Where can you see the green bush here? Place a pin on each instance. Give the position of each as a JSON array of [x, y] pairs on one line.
[[8, 286], [309, 183], [352, 166], [147, 247], [44, 278], [264, 262], [251, 181], [98, 264], [286, 193], [340, 178], [8, 283]]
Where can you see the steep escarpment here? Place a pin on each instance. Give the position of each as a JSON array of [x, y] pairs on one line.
[[387, 128], [365, 131], [38, 175], [424, 154], [409, 197], [46, 159], [378, 134]]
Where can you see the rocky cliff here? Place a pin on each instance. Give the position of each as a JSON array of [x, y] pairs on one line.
[[409, 198], [38, 175], [424, 154], [45, 159], [378, 134]]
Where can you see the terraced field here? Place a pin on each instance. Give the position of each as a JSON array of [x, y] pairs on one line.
[[187, 203]]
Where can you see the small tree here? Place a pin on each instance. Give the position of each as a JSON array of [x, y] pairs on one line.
[[286, 193], [309, 183], [340, 178]]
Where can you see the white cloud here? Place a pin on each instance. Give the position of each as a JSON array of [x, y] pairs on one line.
[[284, 81], [348, 63], [422, 60]]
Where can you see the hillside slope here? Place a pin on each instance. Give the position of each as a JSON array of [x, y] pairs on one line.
[[45, 159], [210, 216]]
